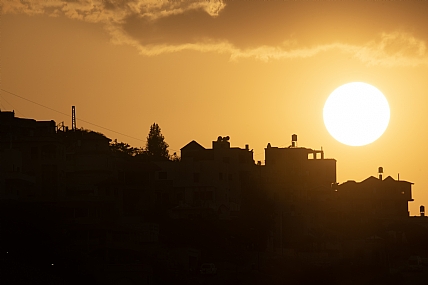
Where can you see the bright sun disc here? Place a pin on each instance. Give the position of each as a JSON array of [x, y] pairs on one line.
[[356, 114]]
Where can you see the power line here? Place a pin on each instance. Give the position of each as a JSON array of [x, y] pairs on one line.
[[16, 110], [35, 102], [65, 114]]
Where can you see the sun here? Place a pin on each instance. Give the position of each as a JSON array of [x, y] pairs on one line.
[[356, 114]]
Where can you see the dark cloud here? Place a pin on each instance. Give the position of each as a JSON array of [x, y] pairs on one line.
[[373, 33]]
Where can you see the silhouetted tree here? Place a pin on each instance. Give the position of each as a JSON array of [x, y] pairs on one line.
[[156, 147], [121, 147]]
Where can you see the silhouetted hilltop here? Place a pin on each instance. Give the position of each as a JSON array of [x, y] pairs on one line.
[[104, 211]]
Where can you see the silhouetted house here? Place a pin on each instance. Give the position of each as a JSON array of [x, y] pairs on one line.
[[192, 150], [299, 182], [32, 158], [375, 198], [213, 179], [300, 168]]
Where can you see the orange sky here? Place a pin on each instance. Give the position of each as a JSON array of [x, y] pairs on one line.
[[257, 71]]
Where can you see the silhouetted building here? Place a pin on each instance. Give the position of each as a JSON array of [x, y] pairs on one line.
[[375, 198], [115, 206], [299, 182], [32, 158], [213, 179], [303, 169]]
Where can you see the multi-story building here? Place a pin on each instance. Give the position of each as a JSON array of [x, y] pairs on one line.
[[213, 178], [33, 158], [299, 181], [375, 198]]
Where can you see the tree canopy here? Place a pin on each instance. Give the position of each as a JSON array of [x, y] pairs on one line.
[[156, 147], [124, 148]]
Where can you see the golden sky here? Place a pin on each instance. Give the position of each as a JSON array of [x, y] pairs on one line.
[[257, 71]]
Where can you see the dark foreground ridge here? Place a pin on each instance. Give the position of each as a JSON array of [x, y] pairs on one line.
[[77, 207]]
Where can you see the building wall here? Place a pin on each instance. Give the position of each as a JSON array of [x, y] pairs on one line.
[[214, 178], [299, 182]]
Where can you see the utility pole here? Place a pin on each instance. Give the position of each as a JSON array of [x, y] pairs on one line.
[[73, 118]]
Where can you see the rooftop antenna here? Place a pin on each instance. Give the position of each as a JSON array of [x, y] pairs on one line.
[[73, 118]]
